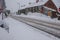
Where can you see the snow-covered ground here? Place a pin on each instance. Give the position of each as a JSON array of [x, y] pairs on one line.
[[22, 31], [4, 35], [40, 16]]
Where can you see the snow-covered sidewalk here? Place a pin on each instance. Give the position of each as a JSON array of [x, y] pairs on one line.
[[22, 31]]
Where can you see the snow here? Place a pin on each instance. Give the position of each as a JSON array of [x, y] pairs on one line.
[[4, 35], [22, 31], [49, 8], [34, 4], [40, 16], [1, 22], [57, 3], [15, 5]]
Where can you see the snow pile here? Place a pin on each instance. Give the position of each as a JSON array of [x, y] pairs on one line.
[[1, 21], [21, 31], [2, 24], [6, 27], [4, 35]]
